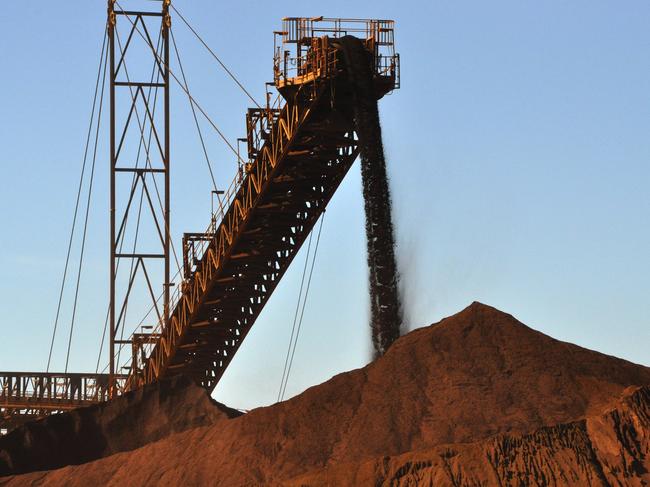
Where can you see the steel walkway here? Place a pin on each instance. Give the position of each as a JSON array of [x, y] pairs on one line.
[[299, 151]]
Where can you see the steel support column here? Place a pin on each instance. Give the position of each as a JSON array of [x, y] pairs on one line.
[[130, 90]]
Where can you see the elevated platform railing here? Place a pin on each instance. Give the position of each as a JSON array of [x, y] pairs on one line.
[[52, 390], [301, 50], [225, 227], [196, 320], [299, 136], [296, 29]]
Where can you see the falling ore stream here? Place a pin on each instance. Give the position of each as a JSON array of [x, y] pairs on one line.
[[385, 303]]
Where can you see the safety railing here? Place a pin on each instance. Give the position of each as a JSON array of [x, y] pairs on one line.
[[269, 133], [200, 247], [302, 52], [259, 125], [261, 128], [389, 67], [16, 387], [297, 29], [315, 62], [238, 201]]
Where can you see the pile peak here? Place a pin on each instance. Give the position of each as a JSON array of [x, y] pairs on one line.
[[479, 377]]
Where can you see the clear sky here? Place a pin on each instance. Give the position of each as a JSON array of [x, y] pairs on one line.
[[518, 149]]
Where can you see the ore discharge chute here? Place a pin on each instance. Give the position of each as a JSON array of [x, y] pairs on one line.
[[385, 304], [299, 144]]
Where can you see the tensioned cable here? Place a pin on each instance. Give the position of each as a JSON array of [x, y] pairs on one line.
[[162, 62], [83, 239], [304, 303], [76, 209], [101, 346], [160, 296], [215, 56], [147, 148], [302, 313], [148, 162], [295, 316], [131, 271], [192, 100], [196, 121], [133, 183], [141, 127]]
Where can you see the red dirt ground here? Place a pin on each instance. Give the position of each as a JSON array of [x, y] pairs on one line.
[[477, 399]]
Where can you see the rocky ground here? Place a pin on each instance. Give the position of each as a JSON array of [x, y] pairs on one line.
[[478, 399]]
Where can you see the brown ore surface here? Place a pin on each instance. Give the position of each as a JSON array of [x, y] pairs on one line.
[[478, 399]]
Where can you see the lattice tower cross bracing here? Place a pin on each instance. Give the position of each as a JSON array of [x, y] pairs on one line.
[[300, 146]]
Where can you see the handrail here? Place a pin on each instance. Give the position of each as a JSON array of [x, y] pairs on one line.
[[53, 386], [270, 131], [270, 123], [223, 230]]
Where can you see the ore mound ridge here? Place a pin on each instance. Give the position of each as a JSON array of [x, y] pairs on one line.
[[478, 399]]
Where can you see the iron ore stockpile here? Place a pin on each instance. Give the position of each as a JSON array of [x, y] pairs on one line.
[[478, 399], [385, 308]]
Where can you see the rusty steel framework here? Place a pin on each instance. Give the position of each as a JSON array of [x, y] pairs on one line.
[[300, 147], [301, 53], [139, 25], [299, 150], [25, 396]]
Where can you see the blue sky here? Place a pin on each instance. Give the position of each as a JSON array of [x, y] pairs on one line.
[[518, 152]]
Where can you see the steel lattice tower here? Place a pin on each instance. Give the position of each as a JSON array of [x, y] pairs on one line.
[[141, 111]]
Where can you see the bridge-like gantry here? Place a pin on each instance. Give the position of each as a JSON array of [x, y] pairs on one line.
[[299, 149]]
